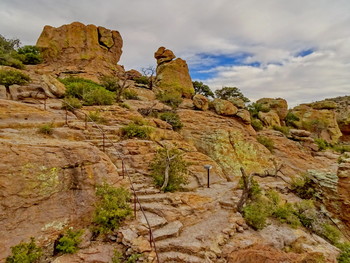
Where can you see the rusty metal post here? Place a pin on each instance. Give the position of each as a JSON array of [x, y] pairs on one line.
[[103, 146], [134, 204], [208, 178], [85, 121], [66, 116]]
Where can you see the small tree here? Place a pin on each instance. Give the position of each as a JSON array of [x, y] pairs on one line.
[[201, 88], [30, 55], [149, 72], [11, 77], [230, 92], [169, 170], [25, 253], [117, 84]]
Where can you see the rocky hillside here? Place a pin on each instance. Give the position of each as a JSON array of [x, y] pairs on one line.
[[53, 159]]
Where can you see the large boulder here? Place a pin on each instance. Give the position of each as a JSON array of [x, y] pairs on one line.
[[200, 102], [278, 105], [224, 107], [173, 75], [270, 118], [321, 122], [77, 47]]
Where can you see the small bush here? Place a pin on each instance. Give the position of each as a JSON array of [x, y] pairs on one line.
[[283, 129], [142, 80], [344, 256], [96, 117], [68, 244], [254, 109], [290, 119], [11, 77], [130, 94], [124, 105], [46, 129], [256, 213], [112, 208], [30, 55], [177, 169], [140, 121], [306, 212], [331, 233], [322, 144], [71, 104], [169, 98], [255, 190], [257, 124], [286, 214], [98, 96], [25, 253], [267, 142], [133, 130], [173, 119], [303, 187]]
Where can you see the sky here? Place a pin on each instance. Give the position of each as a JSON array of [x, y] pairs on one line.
[[298, 50]]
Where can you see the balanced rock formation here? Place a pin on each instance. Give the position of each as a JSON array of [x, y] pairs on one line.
[[172, 75], [278, 106], [77, 47], [224, 107]]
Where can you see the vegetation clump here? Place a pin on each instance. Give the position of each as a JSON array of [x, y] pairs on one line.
[[172, 118], [283, 129], [201, 88], [169, 169], [130, 94], [169, 98], [71, 104], [11, 77], [95, 116], [88, 91], [290, 119], [25, 253], [304, 187], [230, 92], [136, 130], [46, 129], [69, 242], [267, 142], [257, 124], [112, 208]]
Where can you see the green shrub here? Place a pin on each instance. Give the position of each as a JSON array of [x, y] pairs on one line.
[[256, 213], [11, 61], [255, 190], [257, 124], [124, 105], [130, 94], [140, 121], [117, 257], [285, 213], [111, 209], [68, 244], [11, 77], [172, 118], [306, 212], [46, 129], [291, 118], [142, 80], [178, 169], [96, 117], [322, 144], [71, 104], [133, 130], [303, 187], [88, 91], [254, 109], [25, 253], [170, 98], [331, 233], [8, 53], [267, 142], [30, 55], [230, 92], [344, 256], [283, 129], [341, 148]]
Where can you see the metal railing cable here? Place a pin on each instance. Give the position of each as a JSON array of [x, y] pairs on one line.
[[124, 172]]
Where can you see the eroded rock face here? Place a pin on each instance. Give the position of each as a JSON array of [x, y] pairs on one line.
[[173, 75], [224, 107], [278, 105], [80, 47], [200, 102], [47, 186], [322, 122]]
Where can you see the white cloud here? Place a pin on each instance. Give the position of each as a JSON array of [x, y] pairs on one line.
[[272, 31]]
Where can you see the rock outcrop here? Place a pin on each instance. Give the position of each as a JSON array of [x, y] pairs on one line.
[[200, 102], [172, 75], [279, 106], [77, 47], [322, 122], [224, 107]]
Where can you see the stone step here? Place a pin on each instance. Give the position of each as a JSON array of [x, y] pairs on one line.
[[179, 257], [154, 220], [196, 247], [153, 198], [155, 208], [147, 191], [170, 230], [228, 204]]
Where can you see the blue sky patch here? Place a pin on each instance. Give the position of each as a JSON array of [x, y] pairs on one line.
[[305, 52], [204, 64]]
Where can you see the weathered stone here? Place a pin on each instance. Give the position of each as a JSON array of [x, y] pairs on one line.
[[244, 115], [55, 87], [324, 105], [224, 107], [200, 102], [133, 74], [144, 94], [186, 104], [300, 133], [278, 105], [173, 77], [3, 93], [270, 118], [77, 47], [321, 122], [238, 102], [163, 55]]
